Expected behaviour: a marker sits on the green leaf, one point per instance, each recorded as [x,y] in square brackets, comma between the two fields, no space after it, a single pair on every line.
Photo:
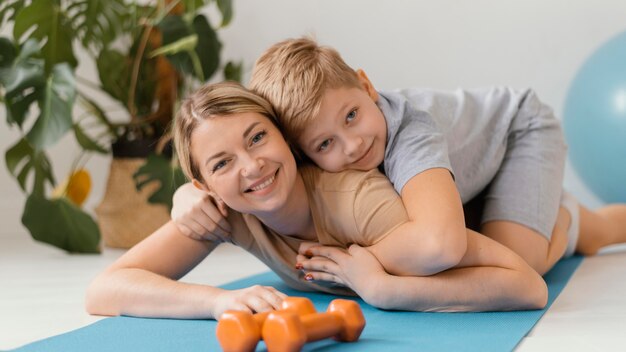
[56,108]
[16,154]
[86,142]
[192,6]
[160,169]
[23,81]
[25,72]
[209,46]
[207,50]
[174,28]
[233,71]
[98,22]
[114,70]
[187,43]
[7,52]
[9,9]
[51,26]
[60,223]
[22,159]
[95,110]
[226,8]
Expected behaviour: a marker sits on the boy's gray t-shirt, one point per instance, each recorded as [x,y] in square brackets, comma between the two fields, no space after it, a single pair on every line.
[464,131]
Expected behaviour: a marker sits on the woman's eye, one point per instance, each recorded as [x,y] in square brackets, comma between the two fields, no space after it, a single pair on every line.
[324,145]
[219,165]
[258,137]
[351,116]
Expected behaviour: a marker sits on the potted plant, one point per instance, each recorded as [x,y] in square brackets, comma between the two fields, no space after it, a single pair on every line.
[147,54]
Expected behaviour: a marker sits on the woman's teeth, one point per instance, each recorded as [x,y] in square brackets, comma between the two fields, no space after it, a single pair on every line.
[264,184]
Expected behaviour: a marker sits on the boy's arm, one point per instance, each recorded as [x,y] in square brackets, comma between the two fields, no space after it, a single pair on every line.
[143,283]
[199,215]
[489,277]
[434,238]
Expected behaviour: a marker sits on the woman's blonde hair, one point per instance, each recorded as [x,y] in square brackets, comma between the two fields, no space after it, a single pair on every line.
[293,76]
[211,100]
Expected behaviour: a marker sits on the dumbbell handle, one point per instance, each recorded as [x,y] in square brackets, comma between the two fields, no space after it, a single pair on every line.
[320,326]
[259,318]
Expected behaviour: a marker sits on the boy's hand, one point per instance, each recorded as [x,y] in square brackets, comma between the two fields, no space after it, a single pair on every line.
[252,299]
[199,215]
[355,268]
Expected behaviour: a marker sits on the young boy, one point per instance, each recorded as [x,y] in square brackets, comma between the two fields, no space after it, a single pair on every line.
[439,149]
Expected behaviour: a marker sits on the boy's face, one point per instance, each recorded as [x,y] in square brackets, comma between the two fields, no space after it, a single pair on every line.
[350,131]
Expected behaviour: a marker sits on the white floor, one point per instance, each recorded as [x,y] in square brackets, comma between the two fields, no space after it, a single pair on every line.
[41,295]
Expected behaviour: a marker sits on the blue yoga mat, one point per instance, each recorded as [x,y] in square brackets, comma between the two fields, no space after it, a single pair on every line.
[394,331]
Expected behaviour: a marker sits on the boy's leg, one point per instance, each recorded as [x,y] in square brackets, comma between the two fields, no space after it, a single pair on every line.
[601,228]
[532,246]
[522,202]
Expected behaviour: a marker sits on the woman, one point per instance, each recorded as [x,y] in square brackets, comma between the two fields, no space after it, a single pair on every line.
[230,147]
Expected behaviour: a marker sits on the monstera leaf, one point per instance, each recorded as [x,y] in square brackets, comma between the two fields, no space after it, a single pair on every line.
[22,159]
[60,223]
[55,105]
[22,76]
[98,22]
[25,83]
[203,59]
[160,169]
[50,25]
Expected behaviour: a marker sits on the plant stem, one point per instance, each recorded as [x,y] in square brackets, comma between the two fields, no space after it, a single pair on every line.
[135,73]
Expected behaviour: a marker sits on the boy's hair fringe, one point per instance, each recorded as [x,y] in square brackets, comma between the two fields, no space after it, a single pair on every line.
[293,76]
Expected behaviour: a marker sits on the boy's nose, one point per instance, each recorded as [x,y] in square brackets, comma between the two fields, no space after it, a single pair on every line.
[352,145]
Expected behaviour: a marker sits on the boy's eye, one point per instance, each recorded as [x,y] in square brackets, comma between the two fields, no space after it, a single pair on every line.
[324,145]
[219,165]
[351,116]
[258,137]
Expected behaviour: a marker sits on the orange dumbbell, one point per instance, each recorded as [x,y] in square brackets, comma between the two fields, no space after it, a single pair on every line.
[285,331]
[239,331]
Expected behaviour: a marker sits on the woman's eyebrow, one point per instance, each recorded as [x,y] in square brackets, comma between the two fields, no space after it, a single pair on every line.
[247,131]
[217,155]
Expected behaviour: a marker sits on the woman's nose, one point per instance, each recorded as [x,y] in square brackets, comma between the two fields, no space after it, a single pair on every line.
[252,167]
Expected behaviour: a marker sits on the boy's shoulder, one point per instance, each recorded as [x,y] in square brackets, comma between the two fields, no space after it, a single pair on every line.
[317,179]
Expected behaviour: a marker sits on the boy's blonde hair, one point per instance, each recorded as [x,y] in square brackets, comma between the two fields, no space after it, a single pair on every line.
[293,76]
[211,100]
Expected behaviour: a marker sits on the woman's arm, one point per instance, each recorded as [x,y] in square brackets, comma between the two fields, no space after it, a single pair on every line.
[143,283]
[489,277]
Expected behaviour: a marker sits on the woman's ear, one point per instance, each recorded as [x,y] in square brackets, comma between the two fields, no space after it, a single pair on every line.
[200,186]
[367,85]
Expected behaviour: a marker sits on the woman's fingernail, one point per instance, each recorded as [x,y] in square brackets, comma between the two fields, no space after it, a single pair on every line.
[299,266]
[308,277]
[308,253]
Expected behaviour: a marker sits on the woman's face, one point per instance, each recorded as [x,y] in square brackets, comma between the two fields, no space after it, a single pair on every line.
[245,161]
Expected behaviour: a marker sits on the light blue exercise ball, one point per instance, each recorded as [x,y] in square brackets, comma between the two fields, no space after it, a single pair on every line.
[595,121]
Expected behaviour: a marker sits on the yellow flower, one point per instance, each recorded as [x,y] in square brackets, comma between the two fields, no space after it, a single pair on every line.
[76,187]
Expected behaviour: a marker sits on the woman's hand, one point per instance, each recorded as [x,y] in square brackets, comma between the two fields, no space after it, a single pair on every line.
[356,268]
[199,215]
[252,299]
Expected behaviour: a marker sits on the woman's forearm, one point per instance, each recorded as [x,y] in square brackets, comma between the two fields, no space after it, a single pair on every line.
[461,290]
[489,277]
[137,292]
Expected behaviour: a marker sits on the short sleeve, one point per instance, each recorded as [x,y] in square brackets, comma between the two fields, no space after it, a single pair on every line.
[415,142]
[378,209]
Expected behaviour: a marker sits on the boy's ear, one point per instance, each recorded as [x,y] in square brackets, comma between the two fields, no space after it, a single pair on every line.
[199,185]
[367,85]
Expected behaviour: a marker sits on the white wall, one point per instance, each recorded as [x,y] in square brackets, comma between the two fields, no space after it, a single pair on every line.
[401,43]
